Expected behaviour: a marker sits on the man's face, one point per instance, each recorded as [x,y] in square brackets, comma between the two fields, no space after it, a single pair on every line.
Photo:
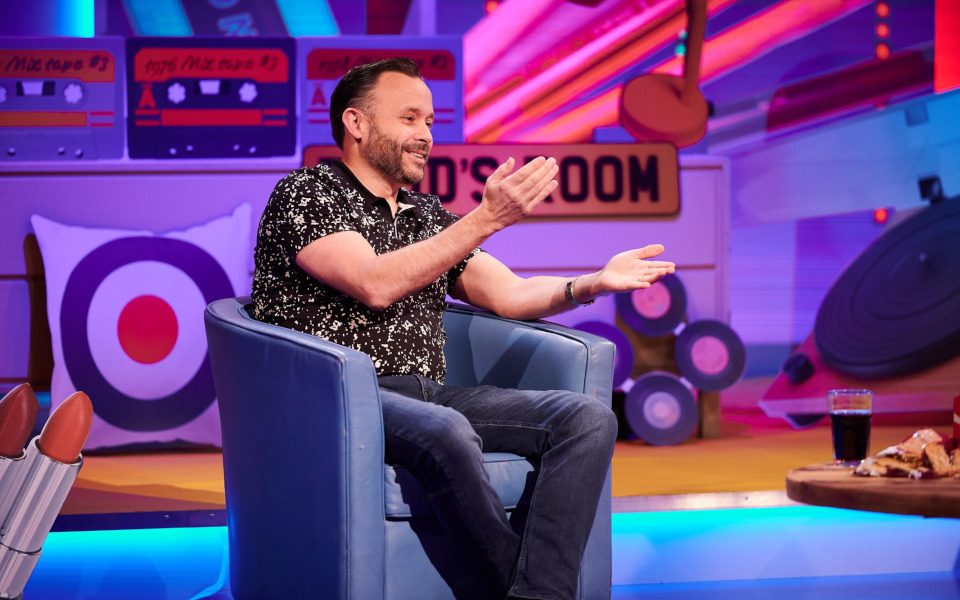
[399,109]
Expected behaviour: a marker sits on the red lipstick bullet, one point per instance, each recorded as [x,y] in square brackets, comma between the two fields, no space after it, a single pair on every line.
[52,463]
[65,433]
[18,413]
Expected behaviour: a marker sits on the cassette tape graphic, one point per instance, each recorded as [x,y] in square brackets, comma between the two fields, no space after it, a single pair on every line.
[210,98]
[61,98]
[323,61]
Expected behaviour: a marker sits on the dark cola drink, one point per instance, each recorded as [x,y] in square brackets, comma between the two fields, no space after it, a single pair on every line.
[851,435]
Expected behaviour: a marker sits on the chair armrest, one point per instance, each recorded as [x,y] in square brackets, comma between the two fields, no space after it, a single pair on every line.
[302,448]
[484,349]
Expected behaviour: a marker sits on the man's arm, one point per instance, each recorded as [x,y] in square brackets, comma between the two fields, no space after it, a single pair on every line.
[347,262]
[489,284]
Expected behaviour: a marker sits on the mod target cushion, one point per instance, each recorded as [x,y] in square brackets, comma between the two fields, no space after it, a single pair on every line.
[126,323]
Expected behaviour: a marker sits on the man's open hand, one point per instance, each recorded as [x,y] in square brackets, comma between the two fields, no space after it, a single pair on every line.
[509,195]
[633,270]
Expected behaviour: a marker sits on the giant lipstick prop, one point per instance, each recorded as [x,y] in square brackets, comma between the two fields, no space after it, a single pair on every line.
[18,413]
[51,465]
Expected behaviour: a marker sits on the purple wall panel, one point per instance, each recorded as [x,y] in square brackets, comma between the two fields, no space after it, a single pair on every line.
[170,195]
[14,328]
[156,201]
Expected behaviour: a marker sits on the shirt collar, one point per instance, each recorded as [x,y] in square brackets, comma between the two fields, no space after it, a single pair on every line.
[370,200]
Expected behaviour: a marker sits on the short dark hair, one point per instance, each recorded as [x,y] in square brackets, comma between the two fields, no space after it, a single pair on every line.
[354,87]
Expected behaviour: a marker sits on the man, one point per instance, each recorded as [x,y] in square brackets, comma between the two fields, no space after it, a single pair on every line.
[345,252]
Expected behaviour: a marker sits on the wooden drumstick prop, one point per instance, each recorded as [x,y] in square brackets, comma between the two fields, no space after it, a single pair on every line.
[667,108]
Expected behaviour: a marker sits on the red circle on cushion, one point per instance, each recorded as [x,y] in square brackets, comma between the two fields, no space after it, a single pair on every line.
[710,355]
[147,329]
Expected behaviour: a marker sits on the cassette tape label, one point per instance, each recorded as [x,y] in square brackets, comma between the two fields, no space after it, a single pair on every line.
[159,64]
[89,65]
[326,63]
[323,61]
[210,98]
[60,97]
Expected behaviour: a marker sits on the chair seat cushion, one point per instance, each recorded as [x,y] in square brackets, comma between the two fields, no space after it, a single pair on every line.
[404,497]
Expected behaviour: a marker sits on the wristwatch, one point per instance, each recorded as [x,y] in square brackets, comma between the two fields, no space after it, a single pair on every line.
[571,299]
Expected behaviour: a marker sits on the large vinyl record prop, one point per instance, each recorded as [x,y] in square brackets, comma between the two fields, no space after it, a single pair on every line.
[656,310]
[896,308]
[623,359]
[661,409]
[126,324]
[710,355]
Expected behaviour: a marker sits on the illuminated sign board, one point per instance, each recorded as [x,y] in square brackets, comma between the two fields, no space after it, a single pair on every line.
[596,180]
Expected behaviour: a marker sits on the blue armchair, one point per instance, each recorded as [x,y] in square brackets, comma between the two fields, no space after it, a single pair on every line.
[313,512]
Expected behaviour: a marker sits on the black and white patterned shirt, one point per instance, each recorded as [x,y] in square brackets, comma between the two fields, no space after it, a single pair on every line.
[407,337]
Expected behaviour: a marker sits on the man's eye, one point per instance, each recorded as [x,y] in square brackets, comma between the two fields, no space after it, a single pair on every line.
[430,124]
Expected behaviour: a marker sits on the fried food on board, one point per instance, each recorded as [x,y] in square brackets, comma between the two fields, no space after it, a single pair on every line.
[924,455]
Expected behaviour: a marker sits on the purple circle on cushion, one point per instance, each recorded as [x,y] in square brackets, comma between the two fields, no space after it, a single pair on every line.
[109,403]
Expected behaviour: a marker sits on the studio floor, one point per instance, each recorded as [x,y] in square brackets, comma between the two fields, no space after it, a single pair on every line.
[753,453]
[680,530]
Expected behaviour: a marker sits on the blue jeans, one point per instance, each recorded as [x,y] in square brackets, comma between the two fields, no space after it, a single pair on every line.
[438,432]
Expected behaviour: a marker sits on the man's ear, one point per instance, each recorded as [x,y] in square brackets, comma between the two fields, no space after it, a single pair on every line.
[354,124]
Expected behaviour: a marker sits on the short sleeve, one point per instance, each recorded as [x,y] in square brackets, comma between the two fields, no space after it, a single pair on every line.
[306,207]
[445,219]
[454,274]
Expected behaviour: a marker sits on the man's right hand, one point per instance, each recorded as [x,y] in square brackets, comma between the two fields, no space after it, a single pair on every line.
[509,196]
[347,262]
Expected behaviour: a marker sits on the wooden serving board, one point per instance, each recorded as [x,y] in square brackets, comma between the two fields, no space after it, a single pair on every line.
[827,485]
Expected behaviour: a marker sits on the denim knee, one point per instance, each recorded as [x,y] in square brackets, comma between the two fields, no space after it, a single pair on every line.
[450,441]
[591,417]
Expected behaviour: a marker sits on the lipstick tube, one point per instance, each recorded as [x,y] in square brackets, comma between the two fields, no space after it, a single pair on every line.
[52,463]
[18,413]
[13,472]
[41,497]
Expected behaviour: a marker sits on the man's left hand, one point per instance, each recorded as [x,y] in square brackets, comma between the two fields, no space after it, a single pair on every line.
[628,271]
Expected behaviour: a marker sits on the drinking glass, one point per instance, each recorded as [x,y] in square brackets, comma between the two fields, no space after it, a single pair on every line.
[850,412]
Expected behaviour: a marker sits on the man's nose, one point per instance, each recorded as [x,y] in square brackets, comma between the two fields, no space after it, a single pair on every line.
[424,134]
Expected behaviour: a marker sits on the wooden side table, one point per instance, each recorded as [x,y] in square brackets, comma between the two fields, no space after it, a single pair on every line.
[828,485]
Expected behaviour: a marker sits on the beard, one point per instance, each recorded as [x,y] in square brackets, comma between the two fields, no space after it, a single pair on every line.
[386,156]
